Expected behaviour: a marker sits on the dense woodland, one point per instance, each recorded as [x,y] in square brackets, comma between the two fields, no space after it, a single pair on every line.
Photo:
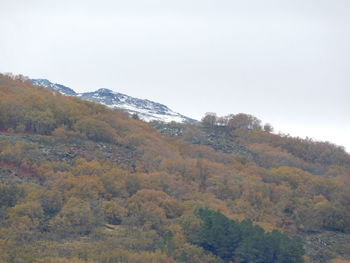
[83,183]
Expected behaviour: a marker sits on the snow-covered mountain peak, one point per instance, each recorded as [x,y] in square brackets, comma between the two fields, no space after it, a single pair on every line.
[104,91]
[145,109]
[57,87]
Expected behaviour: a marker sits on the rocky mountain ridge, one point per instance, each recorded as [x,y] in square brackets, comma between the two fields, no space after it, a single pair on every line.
[145,109]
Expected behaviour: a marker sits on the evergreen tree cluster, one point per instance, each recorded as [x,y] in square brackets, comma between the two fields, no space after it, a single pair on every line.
[243,242]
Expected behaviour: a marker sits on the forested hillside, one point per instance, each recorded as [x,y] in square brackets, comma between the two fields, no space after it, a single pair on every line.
[83,183]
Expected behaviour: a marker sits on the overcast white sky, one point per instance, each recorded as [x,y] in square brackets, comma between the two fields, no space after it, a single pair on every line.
[285,61]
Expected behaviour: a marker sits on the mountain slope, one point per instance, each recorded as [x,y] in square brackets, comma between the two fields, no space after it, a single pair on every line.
[145,109]
[80,182]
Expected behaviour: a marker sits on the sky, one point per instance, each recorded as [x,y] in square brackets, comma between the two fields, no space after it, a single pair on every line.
[286,62]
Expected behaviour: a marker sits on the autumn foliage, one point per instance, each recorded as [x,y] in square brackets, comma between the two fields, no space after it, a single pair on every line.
[83,183]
